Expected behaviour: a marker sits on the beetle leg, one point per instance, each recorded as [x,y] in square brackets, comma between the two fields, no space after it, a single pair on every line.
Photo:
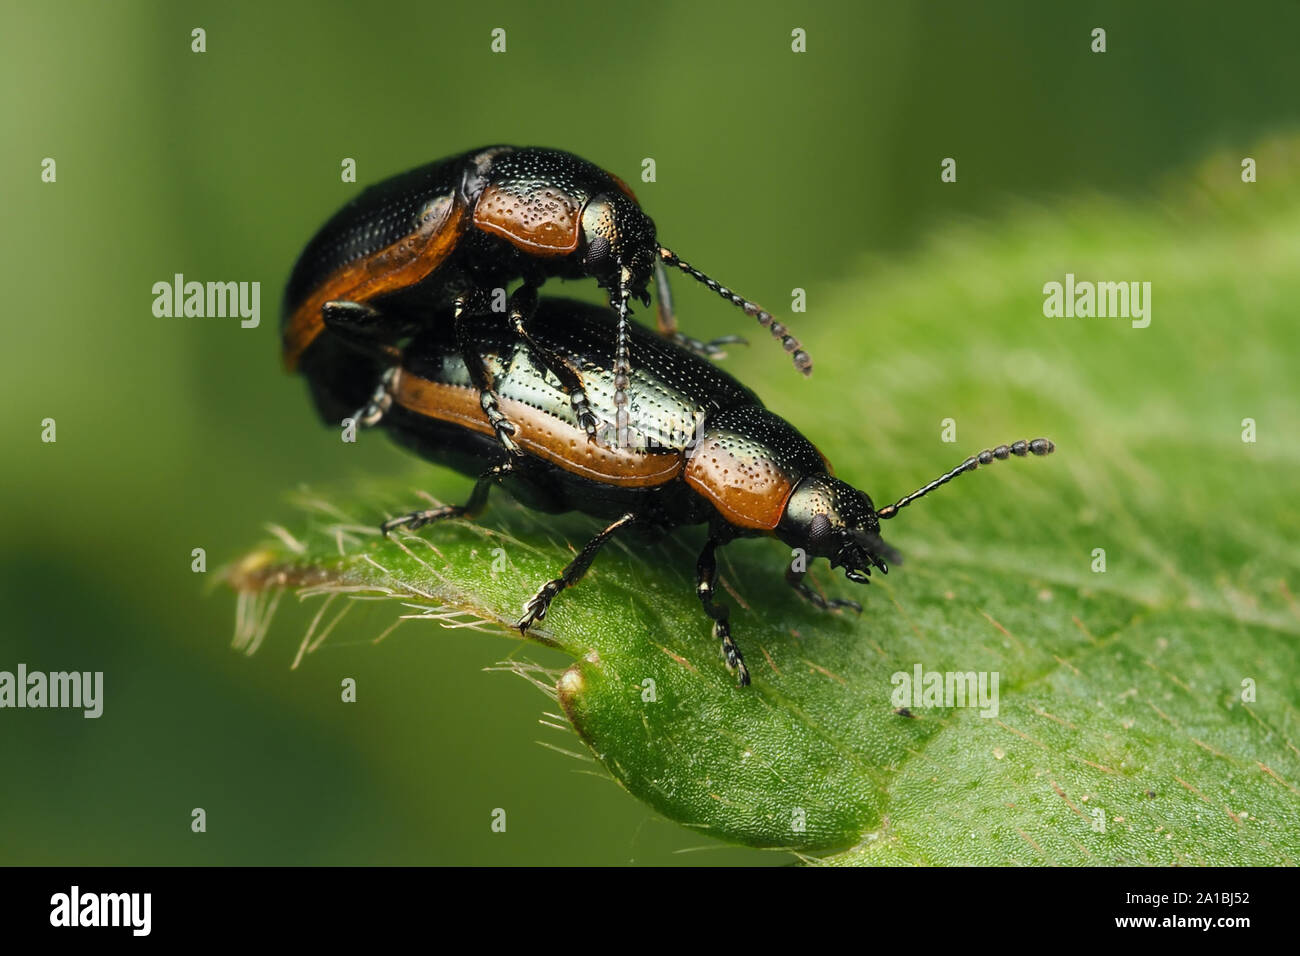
[523,303]
[712,349]
[535,607]
[361,326]
[796,580]
[706,577]
[477,499]
[481,378]
[664,302]
[370,415]
[350,320]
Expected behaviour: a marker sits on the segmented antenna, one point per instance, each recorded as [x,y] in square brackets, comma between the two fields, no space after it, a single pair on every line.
[802,361]
[622,358]
[1039,446]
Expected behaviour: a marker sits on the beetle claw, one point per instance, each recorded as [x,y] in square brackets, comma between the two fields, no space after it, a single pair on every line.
[735,661]
[509,444]
[712,349]
[418,519]
[535,608]
[504,430]
[588,421]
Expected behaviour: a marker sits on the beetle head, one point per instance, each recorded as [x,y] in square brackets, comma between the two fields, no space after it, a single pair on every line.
[617,235]
[828,518]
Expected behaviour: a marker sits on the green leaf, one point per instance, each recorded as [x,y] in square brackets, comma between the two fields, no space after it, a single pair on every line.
[1146,715]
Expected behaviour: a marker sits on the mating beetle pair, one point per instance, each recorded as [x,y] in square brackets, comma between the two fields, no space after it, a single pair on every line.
[447,238]
[396,289]
[702,449]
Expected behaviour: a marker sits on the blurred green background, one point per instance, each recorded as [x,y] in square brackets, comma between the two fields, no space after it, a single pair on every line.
[775,170]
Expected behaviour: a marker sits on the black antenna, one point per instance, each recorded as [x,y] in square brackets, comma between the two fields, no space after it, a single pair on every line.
[788,342]
[1039,446]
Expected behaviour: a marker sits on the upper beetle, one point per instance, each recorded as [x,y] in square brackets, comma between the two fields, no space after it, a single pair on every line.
[702,450]
[454,233]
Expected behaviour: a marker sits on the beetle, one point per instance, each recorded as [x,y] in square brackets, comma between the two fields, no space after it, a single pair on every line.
[703,450]
[454,233]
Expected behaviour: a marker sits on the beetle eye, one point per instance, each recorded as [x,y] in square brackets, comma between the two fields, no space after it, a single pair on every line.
[818,529]
[598,254]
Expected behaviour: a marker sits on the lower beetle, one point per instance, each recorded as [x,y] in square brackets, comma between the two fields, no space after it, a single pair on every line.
[703,450]
[446,235]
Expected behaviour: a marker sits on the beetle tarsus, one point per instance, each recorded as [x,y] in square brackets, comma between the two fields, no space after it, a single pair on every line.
[706,579]
[502,427]
[535,607]
[588,420]
[731,653]
[477,500]
[418,519]
[712,349]
[373,412]
[796,580]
